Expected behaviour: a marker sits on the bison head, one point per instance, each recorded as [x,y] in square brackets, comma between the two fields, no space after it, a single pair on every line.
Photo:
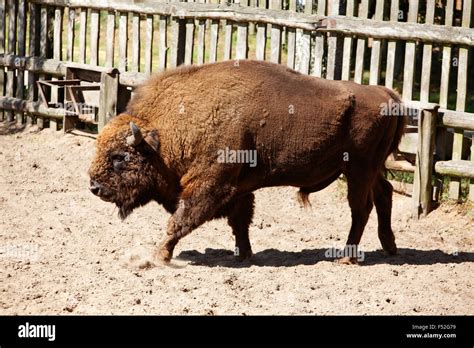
[124,169]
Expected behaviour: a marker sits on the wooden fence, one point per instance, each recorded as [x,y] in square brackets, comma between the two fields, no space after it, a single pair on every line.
[367,41]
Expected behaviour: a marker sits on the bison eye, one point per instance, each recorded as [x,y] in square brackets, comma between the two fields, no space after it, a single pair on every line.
[119,160]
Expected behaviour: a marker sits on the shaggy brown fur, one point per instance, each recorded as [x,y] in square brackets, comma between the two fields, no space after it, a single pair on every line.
[306,132]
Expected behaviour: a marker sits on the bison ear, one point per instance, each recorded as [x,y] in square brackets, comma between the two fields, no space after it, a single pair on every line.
[153,140]
[136,138]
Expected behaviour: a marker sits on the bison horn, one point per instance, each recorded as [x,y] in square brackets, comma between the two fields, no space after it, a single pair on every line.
[136,138]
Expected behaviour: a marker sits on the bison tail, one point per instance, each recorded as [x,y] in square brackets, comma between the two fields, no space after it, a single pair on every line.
[303,199]
[401,124]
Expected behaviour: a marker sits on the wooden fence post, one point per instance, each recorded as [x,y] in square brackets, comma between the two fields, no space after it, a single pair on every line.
[20,82]
[135,42]
[361,42]
[410,47]
[242,43]
[422,181]
[189,50]
[262,34]
[391,47]
[149,45]
[441,136]
[123,40]
[214,41]
[162,63]
[375,54]
[275,43]
[455,184]
[2,50]
[347,51]
[178,42]
[319,43]
[108,97]
[10,92]
[34,50]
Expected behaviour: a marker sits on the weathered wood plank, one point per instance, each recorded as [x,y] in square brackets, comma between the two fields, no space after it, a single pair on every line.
[123,39]
[71,19]
[319,43]
[214,41]
[456,168]
[427,53]
[2,50]
[163,43]
[10,92]
[359,62]
[135,42]
[275,36]
[21,49]
[110,42]
[44,43]
[391,47]
[455,184]
[94,45]
[375,55]
[242,43]
[347,50]
[57,55]
[149,44]
[424,163]
[82,35]
[34,40]
[228,41]
[410,47]
[108,98]
[402,166]
[178,42]
[201,44]
[446,63]
[457,119]
[44,66]
[346,26]
[261,45]
[189,50]
[332,44]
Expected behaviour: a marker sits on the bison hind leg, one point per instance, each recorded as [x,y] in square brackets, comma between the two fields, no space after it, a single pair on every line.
[239,214]
[382,193]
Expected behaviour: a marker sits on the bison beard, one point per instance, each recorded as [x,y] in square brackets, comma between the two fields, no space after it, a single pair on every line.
[305,132]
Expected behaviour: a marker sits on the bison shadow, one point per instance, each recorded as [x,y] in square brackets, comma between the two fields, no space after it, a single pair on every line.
[278,258]
[7,128]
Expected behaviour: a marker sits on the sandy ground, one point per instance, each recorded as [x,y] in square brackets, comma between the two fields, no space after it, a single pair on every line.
[63,251]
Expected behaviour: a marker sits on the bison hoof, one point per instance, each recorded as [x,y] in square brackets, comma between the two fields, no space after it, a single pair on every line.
[390,248]
[346,260]
[163,255]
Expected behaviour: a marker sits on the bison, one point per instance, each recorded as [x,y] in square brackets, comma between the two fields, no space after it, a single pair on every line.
[187,138]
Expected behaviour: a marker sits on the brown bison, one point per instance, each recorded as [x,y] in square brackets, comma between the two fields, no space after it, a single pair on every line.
[199,140]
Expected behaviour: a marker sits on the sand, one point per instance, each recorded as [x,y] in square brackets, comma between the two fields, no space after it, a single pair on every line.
[64,251]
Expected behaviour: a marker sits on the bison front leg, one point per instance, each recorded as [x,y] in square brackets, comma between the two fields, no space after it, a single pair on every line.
[239,218]
[197,205]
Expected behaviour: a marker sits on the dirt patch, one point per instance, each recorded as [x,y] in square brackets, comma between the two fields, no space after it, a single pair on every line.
[65,251]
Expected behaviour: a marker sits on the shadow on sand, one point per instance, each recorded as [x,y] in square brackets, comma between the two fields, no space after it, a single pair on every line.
[277,258]
[7,128]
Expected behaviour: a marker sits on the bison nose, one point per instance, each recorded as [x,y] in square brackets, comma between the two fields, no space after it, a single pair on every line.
[94,187]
